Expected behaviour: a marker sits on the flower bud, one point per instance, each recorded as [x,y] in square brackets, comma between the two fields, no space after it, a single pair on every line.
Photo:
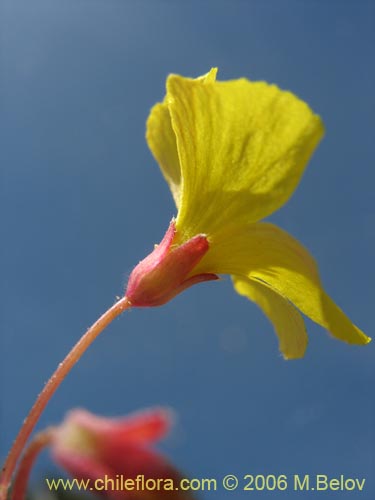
[116,455]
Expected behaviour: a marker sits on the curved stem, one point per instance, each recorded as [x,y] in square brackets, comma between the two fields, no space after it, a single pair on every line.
[38,443]
[53,383]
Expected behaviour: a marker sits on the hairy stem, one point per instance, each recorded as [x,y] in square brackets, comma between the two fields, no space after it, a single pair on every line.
[53,383]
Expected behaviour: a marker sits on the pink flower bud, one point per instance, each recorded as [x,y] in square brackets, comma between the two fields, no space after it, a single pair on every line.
[167,271]
[117,455]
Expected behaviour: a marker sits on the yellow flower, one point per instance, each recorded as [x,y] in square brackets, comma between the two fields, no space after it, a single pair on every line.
[232,153]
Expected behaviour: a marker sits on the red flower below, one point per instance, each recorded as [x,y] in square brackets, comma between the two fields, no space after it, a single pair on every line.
[111,451]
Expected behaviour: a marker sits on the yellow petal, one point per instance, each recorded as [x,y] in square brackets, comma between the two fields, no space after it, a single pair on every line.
[242,149]
[162,142]
[288,323]
[266,254]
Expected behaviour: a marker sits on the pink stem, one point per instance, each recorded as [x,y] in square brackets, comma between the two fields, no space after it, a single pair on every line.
[40,441]
[53,383]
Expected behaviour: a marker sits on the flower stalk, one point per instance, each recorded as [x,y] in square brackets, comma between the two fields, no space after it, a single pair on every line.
[49,389]
[38,443]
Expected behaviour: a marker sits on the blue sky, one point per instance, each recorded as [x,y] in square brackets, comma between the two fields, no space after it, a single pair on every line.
[82,201]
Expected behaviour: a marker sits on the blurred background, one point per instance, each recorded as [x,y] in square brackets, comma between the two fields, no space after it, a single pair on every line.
[82,201]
